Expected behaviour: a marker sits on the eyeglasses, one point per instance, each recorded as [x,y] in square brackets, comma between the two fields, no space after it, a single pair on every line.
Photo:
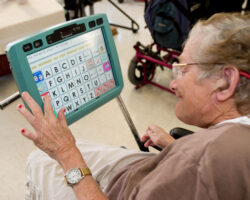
[177,69]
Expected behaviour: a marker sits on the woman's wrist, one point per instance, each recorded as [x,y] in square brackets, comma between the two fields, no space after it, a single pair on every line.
[71,158]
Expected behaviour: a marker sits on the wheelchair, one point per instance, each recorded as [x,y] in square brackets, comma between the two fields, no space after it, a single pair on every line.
[143,65]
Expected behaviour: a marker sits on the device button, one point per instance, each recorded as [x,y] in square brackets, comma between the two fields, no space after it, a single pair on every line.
[83,27]
[49,39]
[99,21]
[27,47]
[91,24]
[38,43]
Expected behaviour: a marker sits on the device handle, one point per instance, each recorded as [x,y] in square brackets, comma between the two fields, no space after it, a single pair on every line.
[9,100]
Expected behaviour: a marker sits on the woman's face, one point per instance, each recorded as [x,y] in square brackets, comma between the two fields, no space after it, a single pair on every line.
[195,103]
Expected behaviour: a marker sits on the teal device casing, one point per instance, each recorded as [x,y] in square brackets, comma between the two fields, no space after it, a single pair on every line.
[22,72]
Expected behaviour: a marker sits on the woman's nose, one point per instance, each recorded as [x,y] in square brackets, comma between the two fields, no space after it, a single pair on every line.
[173,84]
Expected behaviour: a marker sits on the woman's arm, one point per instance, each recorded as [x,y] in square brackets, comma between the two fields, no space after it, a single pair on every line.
[53,136]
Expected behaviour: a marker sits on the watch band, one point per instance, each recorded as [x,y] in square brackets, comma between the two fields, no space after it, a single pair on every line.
[85,171]
[82,172]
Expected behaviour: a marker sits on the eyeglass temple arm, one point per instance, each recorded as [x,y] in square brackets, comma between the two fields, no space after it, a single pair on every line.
[245,74]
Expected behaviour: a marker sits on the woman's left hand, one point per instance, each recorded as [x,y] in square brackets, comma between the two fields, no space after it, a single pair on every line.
[156,136]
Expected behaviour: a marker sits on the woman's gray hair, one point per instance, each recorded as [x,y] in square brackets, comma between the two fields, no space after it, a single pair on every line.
[225,38]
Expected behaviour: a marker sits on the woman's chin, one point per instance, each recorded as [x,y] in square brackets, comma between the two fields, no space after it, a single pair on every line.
[183,115]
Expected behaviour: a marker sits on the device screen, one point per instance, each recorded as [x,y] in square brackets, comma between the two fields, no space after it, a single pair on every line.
[73,72]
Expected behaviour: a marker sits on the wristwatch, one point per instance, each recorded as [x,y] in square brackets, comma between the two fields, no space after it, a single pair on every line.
[73,176]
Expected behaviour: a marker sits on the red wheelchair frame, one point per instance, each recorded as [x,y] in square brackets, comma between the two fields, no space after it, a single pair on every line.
[146,60]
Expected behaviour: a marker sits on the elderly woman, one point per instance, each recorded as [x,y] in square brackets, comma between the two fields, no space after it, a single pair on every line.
[212,84]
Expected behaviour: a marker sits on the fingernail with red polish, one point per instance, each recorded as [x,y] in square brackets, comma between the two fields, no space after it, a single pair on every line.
[20,106]
[22,130]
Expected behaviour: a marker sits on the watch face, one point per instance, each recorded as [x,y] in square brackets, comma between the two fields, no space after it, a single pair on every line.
[74,176]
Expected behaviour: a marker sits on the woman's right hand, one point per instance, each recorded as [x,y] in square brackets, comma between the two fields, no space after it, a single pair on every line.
[50,134]
[156,136]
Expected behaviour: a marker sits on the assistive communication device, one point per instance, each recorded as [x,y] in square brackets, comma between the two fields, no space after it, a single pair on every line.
[75,62]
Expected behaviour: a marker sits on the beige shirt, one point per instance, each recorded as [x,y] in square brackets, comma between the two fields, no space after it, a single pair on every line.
[210,164]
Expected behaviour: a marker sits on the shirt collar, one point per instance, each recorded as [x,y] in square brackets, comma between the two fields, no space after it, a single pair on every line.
[241,120]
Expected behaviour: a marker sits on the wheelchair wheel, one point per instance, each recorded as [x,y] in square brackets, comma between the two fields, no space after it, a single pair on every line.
[135,71]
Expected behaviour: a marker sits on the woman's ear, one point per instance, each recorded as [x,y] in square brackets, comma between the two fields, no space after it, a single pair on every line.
[227,83]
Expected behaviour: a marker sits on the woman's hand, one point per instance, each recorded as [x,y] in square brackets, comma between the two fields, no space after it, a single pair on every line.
[53,136]
[50,134]
[156,136]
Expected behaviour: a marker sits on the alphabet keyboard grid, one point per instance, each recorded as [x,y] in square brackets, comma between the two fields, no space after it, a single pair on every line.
[76,80]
